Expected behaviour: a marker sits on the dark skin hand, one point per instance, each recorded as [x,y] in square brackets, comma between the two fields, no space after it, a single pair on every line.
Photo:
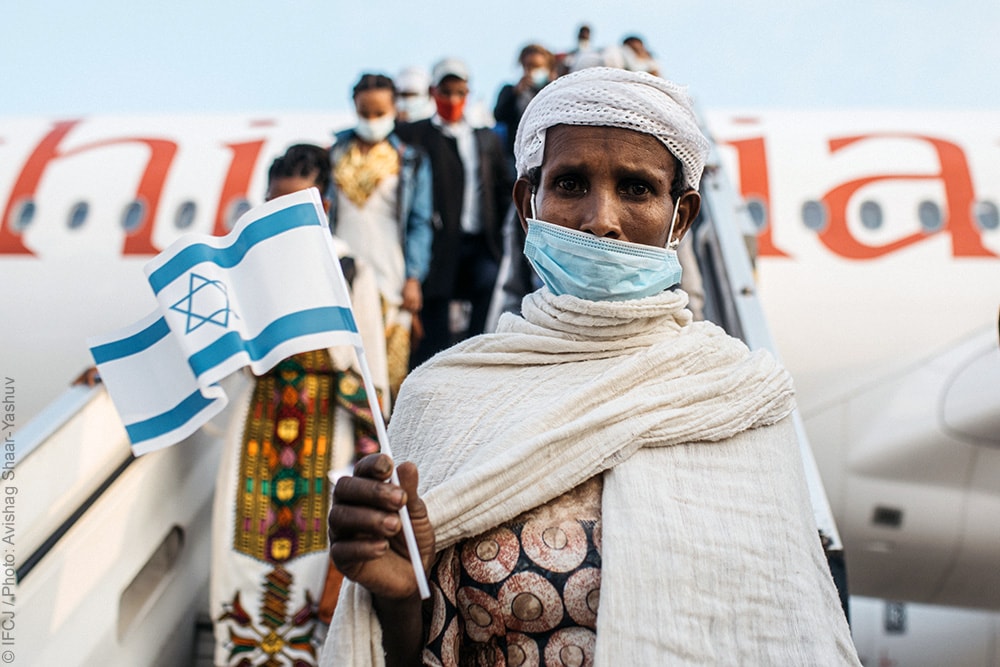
[367,545]
[89,377]
[413,299]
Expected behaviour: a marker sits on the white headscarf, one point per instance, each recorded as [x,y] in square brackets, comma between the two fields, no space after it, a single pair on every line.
[609,97]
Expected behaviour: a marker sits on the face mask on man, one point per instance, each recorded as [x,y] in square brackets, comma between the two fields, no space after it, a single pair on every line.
[450,112]
[539,77]
[374,130]
[599,269]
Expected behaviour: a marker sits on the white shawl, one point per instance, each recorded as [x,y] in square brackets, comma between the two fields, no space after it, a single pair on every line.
[710,554]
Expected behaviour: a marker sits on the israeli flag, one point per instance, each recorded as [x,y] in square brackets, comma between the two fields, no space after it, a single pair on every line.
[269,289]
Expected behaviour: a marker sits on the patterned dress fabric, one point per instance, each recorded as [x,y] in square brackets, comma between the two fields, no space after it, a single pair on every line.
[524,594]
[300,415]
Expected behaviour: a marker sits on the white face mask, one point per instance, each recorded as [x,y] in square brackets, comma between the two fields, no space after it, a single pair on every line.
[374,130]
[416,107]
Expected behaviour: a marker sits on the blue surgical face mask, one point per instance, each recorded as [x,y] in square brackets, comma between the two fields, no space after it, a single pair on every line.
[599,269]
[539,77]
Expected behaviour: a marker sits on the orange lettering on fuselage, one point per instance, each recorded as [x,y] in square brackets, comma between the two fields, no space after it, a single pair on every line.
[237,179]
[966,240]
[149,190]
[751,156]
[27,183]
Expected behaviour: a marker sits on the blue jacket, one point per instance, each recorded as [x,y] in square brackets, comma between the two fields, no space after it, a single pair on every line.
[414,202]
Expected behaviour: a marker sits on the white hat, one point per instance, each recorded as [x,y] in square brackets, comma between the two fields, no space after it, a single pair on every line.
[610,97]
[413,80]
[449,67]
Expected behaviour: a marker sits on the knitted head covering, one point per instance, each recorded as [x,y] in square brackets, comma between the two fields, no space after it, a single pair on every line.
[610,97]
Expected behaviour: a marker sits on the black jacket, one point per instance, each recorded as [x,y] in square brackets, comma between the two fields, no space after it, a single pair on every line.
[509,108]
[449,183]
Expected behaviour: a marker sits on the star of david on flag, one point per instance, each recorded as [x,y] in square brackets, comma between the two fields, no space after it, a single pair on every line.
[193,310]
[269,289]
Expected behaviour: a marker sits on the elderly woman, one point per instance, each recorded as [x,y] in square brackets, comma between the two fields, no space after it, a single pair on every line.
[602,481]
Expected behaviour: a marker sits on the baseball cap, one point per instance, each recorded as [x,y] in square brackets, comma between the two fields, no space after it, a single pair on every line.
[413,80]
[449,67]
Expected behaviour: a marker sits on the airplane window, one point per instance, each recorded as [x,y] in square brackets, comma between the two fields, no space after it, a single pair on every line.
[236,208]
[134,216]
[814,215]
[24,215]
[758,213]
[895,618]
[987,215]
[871,215]
[78,215]
[185,215]
[929,214]
[887,516]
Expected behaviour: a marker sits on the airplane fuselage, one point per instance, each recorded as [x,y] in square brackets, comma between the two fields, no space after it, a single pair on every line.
[877,239]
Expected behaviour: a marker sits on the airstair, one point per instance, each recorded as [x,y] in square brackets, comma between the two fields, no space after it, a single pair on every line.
[112,552]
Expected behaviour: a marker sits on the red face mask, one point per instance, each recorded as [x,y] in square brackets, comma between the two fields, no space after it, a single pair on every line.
[450,112]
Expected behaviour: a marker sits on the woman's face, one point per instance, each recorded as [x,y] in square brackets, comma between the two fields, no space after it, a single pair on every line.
[375,103]
[533,61]
[610,182]
[286,185]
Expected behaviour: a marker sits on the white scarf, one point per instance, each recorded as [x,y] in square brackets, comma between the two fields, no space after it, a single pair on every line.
[702,542]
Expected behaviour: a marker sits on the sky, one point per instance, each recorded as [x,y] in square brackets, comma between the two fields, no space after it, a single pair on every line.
[65,58]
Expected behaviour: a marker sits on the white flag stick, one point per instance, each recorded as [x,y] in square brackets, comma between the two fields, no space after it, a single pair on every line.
[383,439]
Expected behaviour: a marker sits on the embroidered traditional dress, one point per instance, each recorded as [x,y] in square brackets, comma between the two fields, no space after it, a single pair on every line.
[300,419]
[307,417]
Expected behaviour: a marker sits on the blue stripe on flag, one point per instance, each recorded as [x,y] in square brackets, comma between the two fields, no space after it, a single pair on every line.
[300,215]
[169,420]
[133,344]
[302,323]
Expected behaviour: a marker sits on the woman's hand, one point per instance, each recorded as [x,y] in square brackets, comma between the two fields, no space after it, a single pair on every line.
[366,537]
[413,296]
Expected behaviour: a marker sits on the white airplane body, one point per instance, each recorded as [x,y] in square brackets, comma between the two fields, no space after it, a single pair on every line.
[886,314]
[878,267]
